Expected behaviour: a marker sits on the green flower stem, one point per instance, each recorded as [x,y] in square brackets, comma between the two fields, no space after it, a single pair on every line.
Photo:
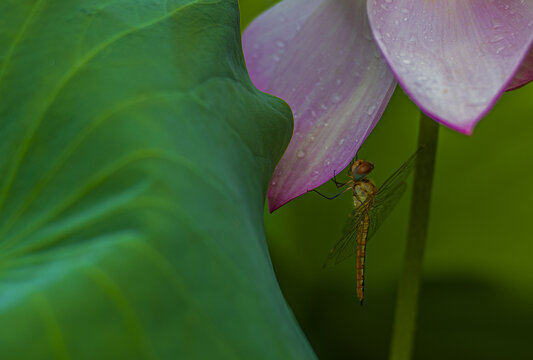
[409,285]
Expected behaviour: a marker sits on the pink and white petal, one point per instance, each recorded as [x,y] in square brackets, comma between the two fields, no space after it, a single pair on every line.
[453,58]
[265,40]
[524,74]
[332,75]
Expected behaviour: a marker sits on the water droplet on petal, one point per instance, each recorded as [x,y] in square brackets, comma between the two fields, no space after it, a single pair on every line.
[300,154]
[335,98]
[371,110]
[280,44]
[497,38]
[276,57]
[341,141]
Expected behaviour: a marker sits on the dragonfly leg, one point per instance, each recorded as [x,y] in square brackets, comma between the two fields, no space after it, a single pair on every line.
[338,184]
[333,197]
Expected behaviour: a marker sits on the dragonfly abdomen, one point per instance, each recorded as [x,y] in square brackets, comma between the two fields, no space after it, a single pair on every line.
[360,258]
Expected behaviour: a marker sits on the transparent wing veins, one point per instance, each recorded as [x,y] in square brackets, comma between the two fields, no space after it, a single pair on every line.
[347,245]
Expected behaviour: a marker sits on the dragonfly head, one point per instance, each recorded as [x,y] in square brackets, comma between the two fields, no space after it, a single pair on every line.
[360,169]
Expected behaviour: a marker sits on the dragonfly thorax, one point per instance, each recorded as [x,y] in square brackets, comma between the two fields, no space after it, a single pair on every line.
[363,190]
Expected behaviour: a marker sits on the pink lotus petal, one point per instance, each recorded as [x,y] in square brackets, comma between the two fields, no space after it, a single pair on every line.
[454,58]
[266,39]
[331,73]
[524,74]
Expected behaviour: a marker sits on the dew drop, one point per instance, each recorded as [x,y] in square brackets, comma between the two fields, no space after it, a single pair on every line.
[406,61]
[371,110]
[276,57]
[497,38]
[280,44]
[341,141]
[274,183]
[300,154]
[327,162]
[335,98]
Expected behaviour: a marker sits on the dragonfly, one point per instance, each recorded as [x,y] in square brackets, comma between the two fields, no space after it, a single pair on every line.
[371,207]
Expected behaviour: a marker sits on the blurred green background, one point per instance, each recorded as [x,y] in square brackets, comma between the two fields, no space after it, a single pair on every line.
[477,292]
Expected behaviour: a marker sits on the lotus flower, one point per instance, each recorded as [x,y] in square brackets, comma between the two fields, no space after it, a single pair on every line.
[337,62]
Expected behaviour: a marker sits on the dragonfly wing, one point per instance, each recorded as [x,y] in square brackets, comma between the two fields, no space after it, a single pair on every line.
[389,194]
[383,207]
[347,245]
[398,177]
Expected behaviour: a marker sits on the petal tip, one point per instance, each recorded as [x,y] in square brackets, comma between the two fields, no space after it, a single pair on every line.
[275,202]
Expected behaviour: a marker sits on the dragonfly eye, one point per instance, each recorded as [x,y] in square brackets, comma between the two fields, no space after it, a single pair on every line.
[361,170]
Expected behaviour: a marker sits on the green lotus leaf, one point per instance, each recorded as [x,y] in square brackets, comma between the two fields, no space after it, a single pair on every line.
[135,159]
